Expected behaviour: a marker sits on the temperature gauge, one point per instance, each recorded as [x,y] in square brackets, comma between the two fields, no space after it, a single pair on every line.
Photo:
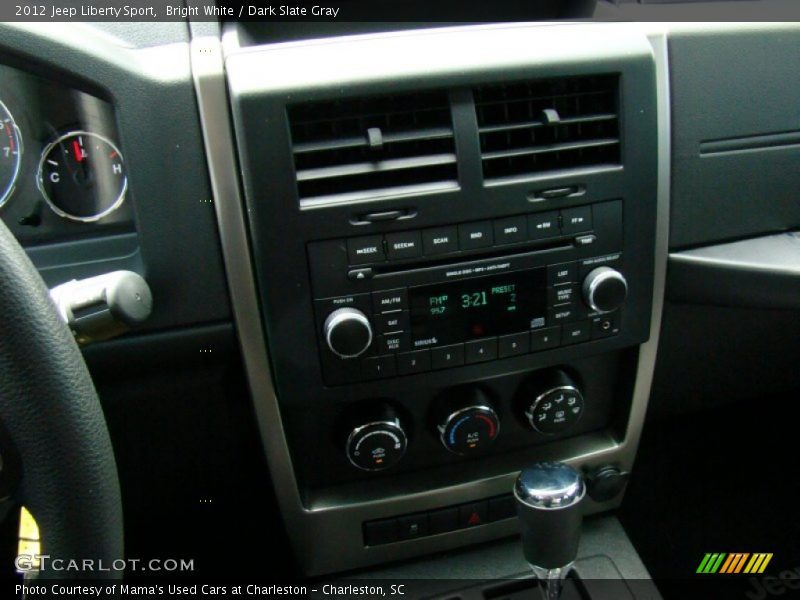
[82,176]
[10,153]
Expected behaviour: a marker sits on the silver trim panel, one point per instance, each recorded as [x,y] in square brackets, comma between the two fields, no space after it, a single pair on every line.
[496,48]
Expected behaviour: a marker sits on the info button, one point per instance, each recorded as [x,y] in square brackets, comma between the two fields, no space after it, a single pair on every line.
[510,230]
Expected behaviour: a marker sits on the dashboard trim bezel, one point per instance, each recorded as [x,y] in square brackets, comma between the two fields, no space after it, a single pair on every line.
[346,549]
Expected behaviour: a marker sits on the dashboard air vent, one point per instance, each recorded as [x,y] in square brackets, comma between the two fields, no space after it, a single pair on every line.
[548,125]
[371,147]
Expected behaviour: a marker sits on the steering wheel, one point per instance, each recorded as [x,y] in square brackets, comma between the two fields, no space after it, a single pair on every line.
[53,420]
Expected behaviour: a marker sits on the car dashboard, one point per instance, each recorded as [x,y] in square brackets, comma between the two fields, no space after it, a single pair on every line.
[390,269]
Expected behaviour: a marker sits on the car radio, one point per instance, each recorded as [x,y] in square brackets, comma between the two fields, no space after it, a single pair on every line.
[416,301]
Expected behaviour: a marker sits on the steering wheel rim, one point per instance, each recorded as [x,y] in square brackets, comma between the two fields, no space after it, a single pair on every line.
[53,418]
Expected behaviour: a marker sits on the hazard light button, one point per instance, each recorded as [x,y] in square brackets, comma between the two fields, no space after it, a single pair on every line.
[473,514]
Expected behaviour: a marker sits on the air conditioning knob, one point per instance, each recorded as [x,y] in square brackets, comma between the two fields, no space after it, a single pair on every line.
[468,423]
[347,332]
[604,289]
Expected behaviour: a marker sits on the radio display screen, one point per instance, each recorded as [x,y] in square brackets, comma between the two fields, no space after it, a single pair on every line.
[448,313]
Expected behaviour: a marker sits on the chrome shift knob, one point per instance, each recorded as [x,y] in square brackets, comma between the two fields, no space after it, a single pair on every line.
[548,497]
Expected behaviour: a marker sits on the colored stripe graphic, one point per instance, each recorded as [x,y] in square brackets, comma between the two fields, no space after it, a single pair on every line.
[758,563]
[730,565]
[740,563]
[755,562]
[735,562]
[703,563]
[727,564]
[711,562]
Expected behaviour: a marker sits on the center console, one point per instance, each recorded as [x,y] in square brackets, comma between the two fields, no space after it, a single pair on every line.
[453,236]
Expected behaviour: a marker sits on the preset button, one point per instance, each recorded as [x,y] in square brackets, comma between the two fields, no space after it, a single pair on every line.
[417,361]
[443,357]
[480,350]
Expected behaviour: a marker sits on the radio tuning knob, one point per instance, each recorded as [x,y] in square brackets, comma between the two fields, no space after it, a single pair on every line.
[604,289]
[347,332]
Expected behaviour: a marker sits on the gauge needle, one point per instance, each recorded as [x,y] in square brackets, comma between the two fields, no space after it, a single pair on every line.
[78,151]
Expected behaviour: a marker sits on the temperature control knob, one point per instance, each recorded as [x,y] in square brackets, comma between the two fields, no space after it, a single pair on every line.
[469,426]
[377,445]
[552,404]
[604,289]
[347,332]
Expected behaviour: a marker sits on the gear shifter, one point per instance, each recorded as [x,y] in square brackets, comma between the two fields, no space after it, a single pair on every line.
[548,497]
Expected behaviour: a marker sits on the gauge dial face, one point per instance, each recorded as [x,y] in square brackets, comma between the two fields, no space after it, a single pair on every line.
[10,153]
[82,176]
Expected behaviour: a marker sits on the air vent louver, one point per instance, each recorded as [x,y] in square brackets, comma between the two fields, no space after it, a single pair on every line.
[548,125]
[372,147]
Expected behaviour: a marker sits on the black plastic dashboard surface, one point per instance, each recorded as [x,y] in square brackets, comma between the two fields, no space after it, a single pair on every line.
[150,105]
[736,135]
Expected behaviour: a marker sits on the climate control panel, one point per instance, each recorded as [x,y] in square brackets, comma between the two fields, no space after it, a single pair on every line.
[466,419]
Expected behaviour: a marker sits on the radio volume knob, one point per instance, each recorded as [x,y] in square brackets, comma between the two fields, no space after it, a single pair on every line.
[604,289]
[347,332]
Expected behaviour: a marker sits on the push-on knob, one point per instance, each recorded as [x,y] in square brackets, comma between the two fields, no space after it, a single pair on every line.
[347,332]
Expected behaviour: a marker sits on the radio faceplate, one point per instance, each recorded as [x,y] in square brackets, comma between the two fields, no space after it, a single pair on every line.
[396,315]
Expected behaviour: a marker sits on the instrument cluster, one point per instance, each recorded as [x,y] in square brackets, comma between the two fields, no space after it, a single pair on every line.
[62,172]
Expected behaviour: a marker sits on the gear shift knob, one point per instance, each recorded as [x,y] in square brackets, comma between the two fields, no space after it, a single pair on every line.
[548,497]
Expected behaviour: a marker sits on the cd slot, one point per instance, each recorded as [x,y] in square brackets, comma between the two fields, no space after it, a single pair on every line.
[489,254]
[475,266]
